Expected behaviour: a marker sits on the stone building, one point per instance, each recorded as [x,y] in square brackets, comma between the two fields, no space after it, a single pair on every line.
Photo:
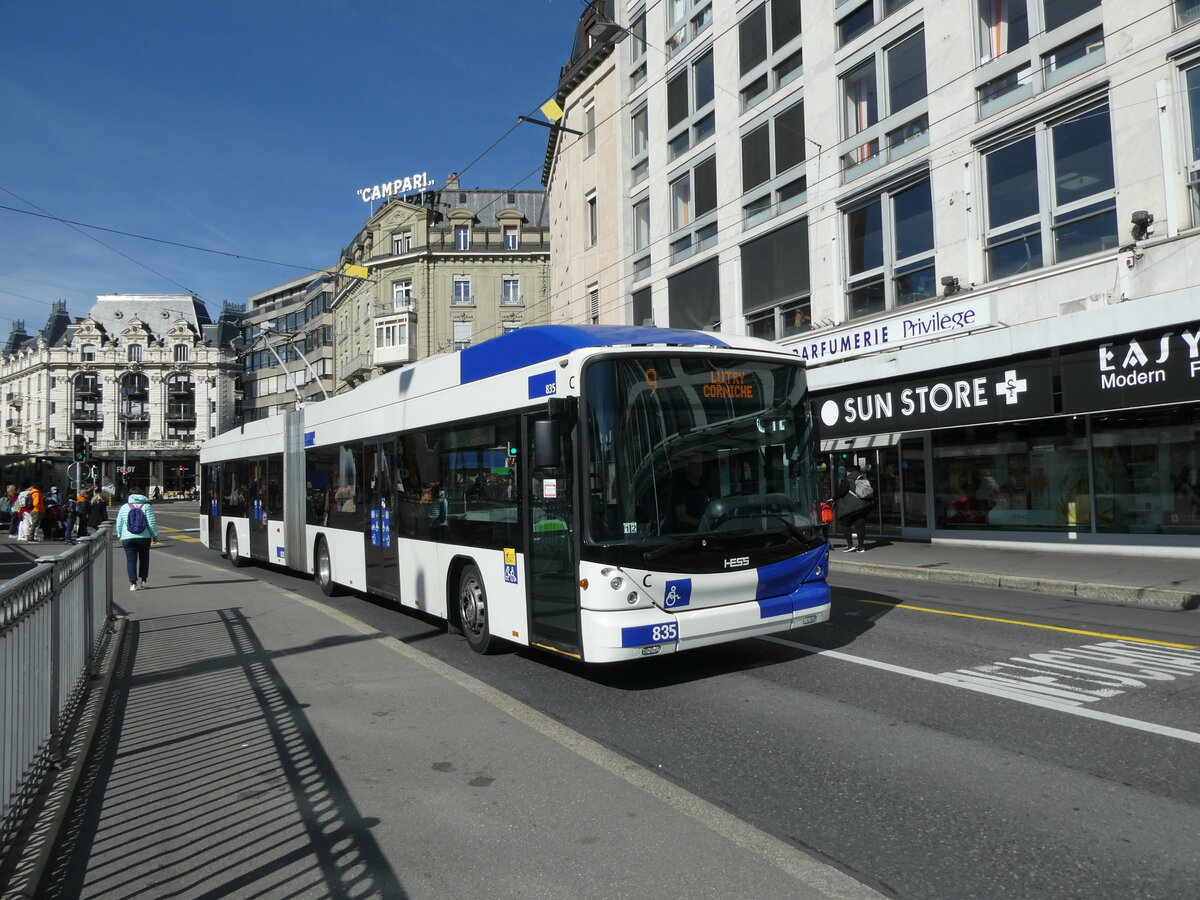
[142,377]
[444,269]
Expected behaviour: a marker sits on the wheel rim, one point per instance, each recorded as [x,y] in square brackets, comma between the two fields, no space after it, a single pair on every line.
[472,607]
[233,545]
[324,572]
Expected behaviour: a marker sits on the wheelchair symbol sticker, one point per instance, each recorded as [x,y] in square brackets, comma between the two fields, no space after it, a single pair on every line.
[679,593]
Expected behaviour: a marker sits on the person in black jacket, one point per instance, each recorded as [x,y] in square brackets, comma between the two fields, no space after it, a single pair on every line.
[852,508]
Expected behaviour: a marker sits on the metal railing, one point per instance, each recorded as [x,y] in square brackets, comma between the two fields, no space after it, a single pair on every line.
[53,622]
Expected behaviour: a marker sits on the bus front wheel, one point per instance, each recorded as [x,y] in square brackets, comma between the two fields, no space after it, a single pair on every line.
[472,611]
[323,569]
[232,550]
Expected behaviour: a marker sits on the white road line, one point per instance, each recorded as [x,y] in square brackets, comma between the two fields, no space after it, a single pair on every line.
[1083,712]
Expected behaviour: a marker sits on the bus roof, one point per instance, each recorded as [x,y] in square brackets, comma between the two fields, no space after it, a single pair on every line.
[538,343]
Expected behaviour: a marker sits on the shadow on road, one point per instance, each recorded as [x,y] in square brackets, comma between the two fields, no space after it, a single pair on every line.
[207,780]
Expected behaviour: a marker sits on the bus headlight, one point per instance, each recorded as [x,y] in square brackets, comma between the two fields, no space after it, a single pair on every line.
[632,598]
[617,583]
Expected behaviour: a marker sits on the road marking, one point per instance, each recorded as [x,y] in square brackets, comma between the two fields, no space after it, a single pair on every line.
[981,688]
[961,615]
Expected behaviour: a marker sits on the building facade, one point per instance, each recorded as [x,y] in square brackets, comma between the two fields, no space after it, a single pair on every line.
[583,176]
[287,347]
[976,220]
[443,270]
[143,378]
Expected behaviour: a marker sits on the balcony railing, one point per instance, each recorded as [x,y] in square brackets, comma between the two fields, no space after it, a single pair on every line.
[86,415]
[15,399]
[181,413]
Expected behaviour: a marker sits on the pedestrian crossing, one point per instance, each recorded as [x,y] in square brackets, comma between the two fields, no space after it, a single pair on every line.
[177,534]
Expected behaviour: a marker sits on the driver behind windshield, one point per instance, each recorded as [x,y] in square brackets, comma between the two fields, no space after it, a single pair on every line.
[690,495]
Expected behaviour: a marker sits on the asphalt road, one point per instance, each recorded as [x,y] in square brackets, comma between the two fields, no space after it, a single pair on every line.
[919,747]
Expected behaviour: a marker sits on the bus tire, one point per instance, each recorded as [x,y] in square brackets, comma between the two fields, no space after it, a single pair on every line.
[323,569]
[472,610]
[233,549]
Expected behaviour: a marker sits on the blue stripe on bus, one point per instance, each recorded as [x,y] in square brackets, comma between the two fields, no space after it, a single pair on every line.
[807,596]
[781,578]
[528,346]
[644,635]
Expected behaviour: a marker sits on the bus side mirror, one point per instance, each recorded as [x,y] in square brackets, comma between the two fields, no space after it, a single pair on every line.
[545,443]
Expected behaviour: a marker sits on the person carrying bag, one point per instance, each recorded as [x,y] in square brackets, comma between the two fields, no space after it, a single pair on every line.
[136,530]
[854,499]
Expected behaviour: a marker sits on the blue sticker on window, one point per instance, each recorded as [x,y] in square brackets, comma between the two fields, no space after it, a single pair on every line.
[679,593]
[310,439]
[280,554]
[543,385]
[642,635]
[510,574]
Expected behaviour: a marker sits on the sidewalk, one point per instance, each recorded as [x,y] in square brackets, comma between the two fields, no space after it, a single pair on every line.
[258,743]
[1156,582]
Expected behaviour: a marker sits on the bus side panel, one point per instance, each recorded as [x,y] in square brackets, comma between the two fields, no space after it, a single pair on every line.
[276,543]
[347,556]
[508,614]
[422,576]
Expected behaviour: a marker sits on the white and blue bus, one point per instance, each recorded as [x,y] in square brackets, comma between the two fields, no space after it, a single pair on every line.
[602,492]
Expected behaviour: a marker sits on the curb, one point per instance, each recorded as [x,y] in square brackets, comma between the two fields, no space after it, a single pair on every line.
[44,828]
[1116,594]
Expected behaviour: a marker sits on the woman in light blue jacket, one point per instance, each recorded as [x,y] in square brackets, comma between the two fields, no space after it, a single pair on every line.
[136,531]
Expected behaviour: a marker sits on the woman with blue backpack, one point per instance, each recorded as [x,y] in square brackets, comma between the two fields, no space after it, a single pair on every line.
[136,530]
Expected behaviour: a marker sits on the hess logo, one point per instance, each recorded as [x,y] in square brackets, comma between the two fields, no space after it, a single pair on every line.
[736,562]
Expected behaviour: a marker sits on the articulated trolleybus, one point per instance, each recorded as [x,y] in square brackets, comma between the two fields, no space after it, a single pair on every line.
[602,492]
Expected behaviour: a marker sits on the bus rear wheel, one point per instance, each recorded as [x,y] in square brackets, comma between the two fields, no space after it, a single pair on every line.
[323,569]
[472,611]
[232,549]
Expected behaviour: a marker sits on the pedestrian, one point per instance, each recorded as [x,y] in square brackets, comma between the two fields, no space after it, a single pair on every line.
[77,511]
[97,513]
[15,508]
[136,530]
[53,496]
[37,510]
[854,499]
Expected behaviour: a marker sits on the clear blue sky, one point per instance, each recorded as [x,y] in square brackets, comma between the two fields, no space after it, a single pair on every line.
[246,127]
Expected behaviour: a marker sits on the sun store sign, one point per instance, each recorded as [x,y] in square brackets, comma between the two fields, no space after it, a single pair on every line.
[397,188]
[1014,389]
[927,324]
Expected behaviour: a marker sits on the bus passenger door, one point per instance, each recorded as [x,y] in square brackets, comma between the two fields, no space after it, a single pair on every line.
[211,498]
[550,567]
[383,569]
[256,478]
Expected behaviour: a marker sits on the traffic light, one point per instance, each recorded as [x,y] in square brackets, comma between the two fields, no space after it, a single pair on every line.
[182,469]
[80,448]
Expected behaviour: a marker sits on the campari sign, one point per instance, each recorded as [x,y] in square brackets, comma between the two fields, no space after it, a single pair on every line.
[1145,369]
[1014,389]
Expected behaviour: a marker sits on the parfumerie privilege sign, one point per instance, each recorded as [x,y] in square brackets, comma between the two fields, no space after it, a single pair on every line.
[945,320]
[1009,390]
[1145,369]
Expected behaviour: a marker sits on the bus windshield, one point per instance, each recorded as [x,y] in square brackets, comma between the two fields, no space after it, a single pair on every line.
[685,445]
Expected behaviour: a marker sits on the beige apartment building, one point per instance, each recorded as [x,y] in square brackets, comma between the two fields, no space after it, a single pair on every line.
[445,269]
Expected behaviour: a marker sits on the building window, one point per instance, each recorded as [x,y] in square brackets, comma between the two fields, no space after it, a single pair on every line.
[462,290]
[589,130]
[1186,11]
[686,20]
[594,304]
[690,115]
[775,282]
[769,53]
[402,242]
[462,335]
[1026,46]
[643,307]
[641,235]
[181,353]
[510,290]
[88,353]
[402,295]
[855,19]
[391,334]
[693,209]
[593,224]
[886,112]
[509,326]
[889,241]
[462,237]
[1191,78]
[512,239]
[133,353]
[637,51]
[640,145]
[773,172]
[1027,227]
[694,298]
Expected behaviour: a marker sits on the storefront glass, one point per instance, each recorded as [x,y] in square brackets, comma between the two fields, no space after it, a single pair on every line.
[1146,471]
[1026,477]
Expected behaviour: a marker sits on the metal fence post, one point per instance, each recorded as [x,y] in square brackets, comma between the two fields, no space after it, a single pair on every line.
[55,746]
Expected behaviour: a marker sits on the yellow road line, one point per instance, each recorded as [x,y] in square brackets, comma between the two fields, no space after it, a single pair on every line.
[1100,634]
